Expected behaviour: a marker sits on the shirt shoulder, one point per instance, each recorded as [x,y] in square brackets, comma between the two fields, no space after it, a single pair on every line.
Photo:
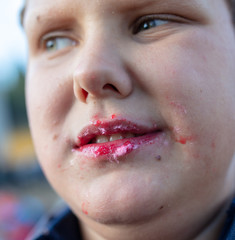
[229,228]
[60,225]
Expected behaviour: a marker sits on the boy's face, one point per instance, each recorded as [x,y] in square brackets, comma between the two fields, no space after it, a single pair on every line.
[158,72]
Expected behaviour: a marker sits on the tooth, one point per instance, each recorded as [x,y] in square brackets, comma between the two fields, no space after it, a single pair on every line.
[115,137]
[129,135]
[102,139]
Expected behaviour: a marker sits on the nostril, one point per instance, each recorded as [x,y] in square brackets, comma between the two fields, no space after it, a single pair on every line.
[110,87]
[85,93]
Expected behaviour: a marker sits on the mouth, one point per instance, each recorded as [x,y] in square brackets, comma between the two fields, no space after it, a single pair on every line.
[113,140]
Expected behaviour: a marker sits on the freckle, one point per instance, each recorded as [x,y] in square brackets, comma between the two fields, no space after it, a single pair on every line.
[38,18]
[55,137]
[158,158]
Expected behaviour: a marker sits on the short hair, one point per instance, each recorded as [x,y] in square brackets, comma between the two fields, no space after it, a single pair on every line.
[22,13]
[231,5]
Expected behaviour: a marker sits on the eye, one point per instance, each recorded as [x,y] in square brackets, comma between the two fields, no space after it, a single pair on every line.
[147,22]
[53,44]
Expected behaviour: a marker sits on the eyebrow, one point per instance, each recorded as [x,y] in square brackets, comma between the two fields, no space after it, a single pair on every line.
[22,13]
[133,5]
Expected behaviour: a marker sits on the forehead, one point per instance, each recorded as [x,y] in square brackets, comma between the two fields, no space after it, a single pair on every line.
[59,7]
[114,3]
[64,9]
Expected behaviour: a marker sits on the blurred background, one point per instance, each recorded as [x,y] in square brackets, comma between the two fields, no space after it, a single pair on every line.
[25,195]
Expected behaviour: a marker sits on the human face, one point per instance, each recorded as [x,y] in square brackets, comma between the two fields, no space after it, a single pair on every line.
[160,73]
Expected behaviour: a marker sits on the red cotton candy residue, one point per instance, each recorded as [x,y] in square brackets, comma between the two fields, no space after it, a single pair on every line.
[96,122]
[113,116]
[183,140]
[118,149]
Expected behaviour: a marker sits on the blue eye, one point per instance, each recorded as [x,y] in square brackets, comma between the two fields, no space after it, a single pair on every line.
[58,43]
[147,23]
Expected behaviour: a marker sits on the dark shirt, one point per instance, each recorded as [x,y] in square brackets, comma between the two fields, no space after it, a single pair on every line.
[64,226]
[229,229]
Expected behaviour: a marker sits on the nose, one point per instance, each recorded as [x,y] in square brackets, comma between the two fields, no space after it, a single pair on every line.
[101,72]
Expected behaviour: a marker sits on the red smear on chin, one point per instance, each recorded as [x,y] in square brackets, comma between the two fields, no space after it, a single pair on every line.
[84,210]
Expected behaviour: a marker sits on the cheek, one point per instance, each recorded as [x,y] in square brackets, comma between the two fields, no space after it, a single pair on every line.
[194,99]
[50,97]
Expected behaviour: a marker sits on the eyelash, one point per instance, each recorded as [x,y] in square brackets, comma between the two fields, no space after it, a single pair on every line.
[152,21]
[51,41]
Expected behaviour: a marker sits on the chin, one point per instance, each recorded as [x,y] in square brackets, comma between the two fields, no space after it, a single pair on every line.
[134,202]
[121,214]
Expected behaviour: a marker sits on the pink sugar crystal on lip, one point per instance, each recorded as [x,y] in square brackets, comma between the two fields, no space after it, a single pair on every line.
[123,150]
[115,151]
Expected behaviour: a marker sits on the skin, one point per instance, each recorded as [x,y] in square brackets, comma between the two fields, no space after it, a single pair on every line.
[178,75]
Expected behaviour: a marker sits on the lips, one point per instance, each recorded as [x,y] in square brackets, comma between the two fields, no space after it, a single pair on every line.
[112,140]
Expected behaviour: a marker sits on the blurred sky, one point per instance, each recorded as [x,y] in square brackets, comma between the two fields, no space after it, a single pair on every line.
[12,41]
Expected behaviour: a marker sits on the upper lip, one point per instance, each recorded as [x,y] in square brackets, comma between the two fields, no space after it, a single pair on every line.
[112,127]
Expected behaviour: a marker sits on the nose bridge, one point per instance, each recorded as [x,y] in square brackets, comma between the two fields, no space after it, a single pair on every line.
[98,52]
[100,69]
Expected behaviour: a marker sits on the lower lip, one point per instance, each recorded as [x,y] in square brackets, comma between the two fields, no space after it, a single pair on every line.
[115,150]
